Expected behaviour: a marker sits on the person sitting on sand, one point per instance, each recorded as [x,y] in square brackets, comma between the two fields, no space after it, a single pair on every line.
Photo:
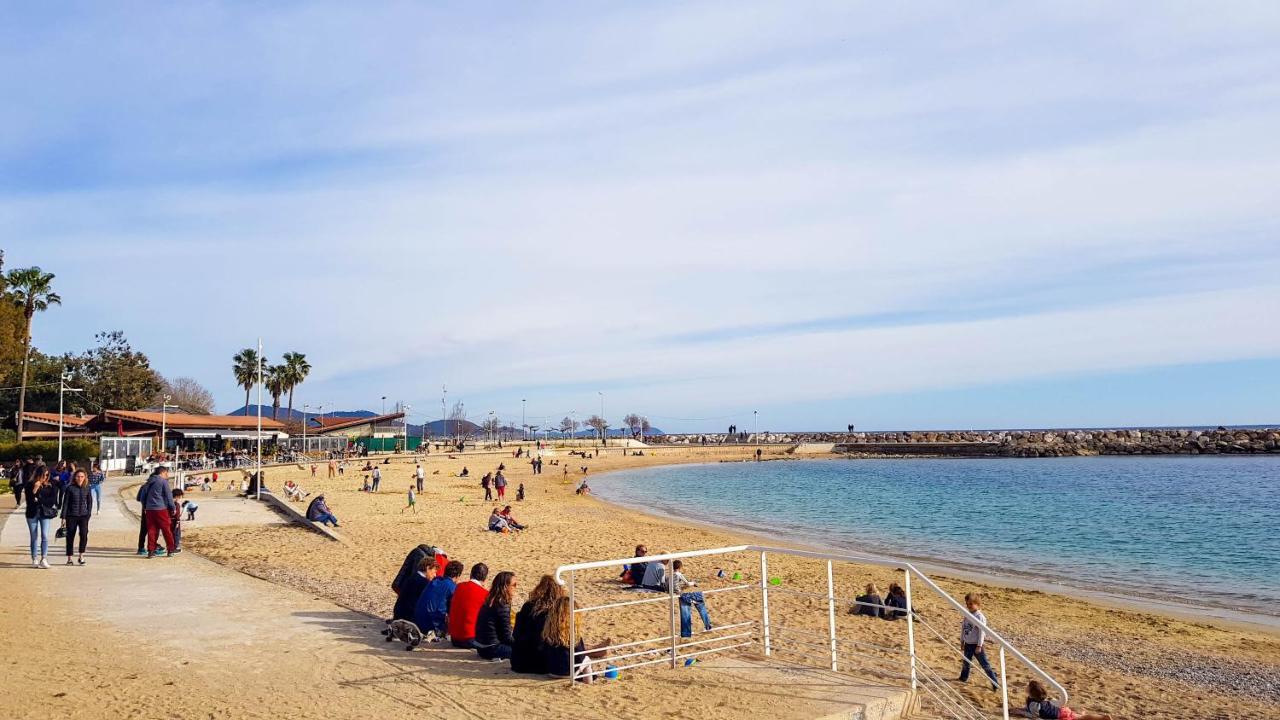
[465,607]
[583,489]
[511,520]
[526,655]
[655,576]
[465,472]
[555,643]
[895,603]
[868,603]
[497,523]
[493,622]
[413,559]
[634,573]
[431,614]
[520,493]
[318,511]
[411,589]
[1039,705]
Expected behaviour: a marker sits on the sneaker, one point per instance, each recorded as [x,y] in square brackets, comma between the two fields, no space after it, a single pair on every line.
[150,555]
[142,552]
[70,561]
[35,563]
[44,563]
[81,561]
[161,552]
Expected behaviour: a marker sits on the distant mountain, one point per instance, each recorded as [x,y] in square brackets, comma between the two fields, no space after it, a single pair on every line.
[284,416]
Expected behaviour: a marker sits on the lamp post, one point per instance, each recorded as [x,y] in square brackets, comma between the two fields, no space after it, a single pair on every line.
[602,422]
[258,490]
[491,428]
[444,422]
[523,425]
[755,416]
[62,388]
[406,427]
[384,404]
[304,427]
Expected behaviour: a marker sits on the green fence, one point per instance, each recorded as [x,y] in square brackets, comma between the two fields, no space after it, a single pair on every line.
[391,444]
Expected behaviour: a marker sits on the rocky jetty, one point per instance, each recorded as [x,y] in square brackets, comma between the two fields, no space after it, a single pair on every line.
[1018,443]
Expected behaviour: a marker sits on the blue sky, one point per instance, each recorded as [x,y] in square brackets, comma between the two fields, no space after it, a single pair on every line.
[900,217]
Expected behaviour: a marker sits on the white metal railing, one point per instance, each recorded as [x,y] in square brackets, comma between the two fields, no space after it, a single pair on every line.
[923,678]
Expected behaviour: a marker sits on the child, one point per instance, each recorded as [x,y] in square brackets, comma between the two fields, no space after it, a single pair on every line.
[1040,706]
[432,612]
[520,493]
[313,469]
[689,601]
[411,506]
[972,638]
[191,508]
[176,521]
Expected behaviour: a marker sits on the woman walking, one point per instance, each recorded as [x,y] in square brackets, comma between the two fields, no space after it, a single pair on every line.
[42,506]
[77,507]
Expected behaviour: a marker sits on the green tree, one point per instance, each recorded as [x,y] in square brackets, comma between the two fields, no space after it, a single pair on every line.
[32,290]
[296,369]
[277,382]
[245,366]
[11,329]
[114,375]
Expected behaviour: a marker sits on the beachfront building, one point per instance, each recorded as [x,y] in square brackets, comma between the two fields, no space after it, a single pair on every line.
[378,433]
[190,433]
[44,426]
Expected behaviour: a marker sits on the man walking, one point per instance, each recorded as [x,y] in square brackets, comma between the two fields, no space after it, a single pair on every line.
[420,475]
[377,479]
[157,510]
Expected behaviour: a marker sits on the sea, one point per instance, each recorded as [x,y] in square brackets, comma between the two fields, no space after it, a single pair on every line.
[1200,531]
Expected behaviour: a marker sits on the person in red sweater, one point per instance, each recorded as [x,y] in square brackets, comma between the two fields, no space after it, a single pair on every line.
[467,600]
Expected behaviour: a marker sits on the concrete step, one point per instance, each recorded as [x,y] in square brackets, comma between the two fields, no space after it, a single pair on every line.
[812,692]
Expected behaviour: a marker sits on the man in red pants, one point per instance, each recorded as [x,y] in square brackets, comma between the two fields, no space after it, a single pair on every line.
[157,506]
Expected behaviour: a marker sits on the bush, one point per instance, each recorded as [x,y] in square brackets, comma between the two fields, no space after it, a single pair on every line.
[77,449]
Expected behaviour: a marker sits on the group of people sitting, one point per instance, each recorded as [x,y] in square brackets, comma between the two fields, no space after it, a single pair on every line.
[467,615]
[889,607]
[502,521]
[667,576]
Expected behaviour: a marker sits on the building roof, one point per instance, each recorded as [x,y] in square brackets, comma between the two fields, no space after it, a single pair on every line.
[330,424]
[68,421]
[182,421]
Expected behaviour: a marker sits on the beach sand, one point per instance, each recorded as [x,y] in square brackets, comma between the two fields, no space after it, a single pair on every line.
[1128,663]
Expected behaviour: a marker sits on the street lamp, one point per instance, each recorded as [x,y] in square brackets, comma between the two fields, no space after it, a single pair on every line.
[384,404]
[258,490]
[491,428]
[602,422]
[523,425]
[164,426]
[406,427]
[62,388]
[304,427]
[754,417]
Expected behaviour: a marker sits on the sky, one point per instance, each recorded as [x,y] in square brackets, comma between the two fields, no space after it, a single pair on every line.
[782,215]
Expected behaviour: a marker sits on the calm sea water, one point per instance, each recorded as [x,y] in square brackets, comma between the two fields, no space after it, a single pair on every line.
[1204,530]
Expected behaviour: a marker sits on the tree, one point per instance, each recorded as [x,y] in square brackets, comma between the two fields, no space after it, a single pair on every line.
[277,382]
[632,422]
[12,326]
[113,374]
[187,394]
[32,290]
[600,425]
[492,426]
[296,369]
[566,425]
[245,367]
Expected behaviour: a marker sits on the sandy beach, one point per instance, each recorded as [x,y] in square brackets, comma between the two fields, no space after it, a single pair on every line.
[1122,661]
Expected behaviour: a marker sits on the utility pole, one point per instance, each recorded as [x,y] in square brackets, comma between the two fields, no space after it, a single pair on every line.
[304,428]
[406,428]
[444,420]
[258,494]
[523,425]
[62,388]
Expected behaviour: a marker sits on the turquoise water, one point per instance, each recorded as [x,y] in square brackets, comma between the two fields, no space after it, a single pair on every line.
[1204,530]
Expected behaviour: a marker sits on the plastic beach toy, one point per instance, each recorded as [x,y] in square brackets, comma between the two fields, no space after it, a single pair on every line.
[737,576]
[690,661]
[611,672]
[775,581]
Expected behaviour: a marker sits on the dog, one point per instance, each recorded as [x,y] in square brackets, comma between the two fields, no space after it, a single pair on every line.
[404,631]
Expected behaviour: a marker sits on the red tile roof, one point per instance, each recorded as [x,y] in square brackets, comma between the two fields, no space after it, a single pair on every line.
[68,420]
[180,421]
[329,424]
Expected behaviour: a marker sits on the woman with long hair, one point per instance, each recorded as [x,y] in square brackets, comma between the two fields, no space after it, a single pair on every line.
[42,507]
[555,643]
[493,623]
[526,656]
[77,508]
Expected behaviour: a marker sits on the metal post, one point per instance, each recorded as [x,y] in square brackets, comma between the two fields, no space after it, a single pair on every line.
[911,626]
[831,615]
[573,634]
[671,593]
[523,424]
[764,603]
[258,493]
[1004,686]
[304,428]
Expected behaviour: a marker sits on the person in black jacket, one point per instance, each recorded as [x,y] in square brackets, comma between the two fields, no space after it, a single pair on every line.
[493,624]
[411,588]
[868,603]
[526,650]
[77,508]
[42,506]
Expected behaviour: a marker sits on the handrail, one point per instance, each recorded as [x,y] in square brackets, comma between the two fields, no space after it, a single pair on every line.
[882,561]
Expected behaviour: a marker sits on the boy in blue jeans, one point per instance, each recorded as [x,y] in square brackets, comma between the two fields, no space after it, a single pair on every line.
[688,601]
[972,638]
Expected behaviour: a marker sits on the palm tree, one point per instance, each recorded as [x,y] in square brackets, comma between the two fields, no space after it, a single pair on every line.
[296,370]
[277,381]
[32,290]
[245,367]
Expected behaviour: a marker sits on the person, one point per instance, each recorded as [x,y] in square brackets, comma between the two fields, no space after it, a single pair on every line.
[411,561]
[42,506]
[689,601]
[431,614]
[412,502]
[632,574]
[313,470]
[972,638]
[465,472]
[411,589]
[1039,705]
[420,475]
[520,493]
[526,653]
[655,576]
[293,491]
[96,478]
[191,507]
[493,622]
[484,483]
[377,480]
[497,523]
[17,482]
[465,607]
[759,452]
[868,603]
[318,511]
[555,643]
[511,519]
[500,483]
[158,507]
[895,603]
[584,488]
[175,520]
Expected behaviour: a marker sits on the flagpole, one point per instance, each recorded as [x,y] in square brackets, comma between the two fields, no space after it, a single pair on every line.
[259,489]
